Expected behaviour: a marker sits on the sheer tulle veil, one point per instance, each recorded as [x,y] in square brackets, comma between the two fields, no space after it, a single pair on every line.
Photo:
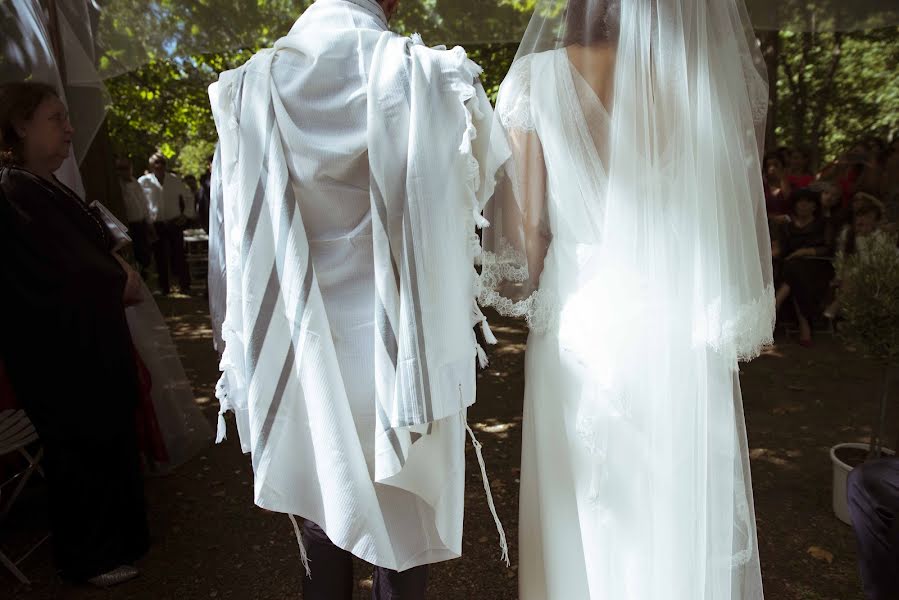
[630,228]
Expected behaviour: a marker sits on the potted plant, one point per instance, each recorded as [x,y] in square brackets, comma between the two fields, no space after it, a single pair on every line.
[869,306]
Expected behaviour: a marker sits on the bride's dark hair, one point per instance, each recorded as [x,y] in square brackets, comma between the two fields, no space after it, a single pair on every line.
[592,22]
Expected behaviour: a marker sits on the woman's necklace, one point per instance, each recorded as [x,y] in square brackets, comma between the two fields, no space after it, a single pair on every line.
[58,186]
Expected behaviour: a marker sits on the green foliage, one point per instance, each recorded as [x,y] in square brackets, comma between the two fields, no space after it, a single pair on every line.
[869,297]
[194,157]
[831,88]
[165,106]
[835,88]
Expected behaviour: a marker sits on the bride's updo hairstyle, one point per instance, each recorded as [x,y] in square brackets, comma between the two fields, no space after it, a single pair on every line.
[592,22]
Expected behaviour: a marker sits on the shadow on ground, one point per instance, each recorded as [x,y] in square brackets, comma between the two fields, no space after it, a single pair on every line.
[211,542]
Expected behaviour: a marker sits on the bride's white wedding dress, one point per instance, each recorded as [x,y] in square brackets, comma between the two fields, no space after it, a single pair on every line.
[635,478]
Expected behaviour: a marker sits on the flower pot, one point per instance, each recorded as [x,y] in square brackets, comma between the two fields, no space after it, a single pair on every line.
[841,470]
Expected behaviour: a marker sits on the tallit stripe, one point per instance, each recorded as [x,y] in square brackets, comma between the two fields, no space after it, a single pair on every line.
[378,200]
[274,407]
[391,434]
[286,368]
[259,195]
[263,319]
[424,376]
[388,337]
[288,210]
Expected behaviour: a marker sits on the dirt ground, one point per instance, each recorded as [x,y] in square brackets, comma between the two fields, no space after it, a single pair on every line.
[211,542]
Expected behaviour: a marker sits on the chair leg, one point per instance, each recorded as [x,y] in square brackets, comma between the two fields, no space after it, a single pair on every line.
[6,562]
[23,480]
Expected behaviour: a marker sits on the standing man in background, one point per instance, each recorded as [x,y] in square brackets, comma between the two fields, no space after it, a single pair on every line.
[170,205]
[137,213]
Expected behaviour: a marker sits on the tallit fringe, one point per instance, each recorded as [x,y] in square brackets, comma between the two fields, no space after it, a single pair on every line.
[221,392]
[304,558]
[483,361]
[467,92]
[504,547]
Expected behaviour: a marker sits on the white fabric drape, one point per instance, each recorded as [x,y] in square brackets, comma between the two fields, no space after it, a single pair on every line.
[185,430]
[629,229]
[27,54]
[349,353]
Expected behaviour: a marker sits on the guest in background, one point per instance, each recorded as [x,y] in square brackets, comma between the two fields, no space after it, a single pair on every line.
[856,170]
[804,278]
[798,173]
[777,189]
[170,204]
[833,212]
[191,182]
[203,199]
[138,215]
[867,218]
[66,345]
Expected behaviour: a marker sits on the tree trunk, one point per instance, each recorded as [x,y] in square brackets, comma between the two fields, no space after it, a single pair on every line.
[770,41]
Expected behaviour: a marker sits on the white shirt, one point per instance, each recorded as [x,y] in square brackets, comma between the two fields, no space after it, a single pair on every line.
[164,200]
[136,208]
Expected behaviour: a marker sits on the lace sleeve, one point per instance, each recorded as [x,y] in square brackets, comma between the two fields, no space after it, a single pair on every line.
[513,105]
[504,271]
[516,242]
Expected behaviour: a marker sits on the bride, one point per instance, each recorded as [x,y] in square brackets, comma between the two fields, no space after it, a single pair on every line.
[629,230]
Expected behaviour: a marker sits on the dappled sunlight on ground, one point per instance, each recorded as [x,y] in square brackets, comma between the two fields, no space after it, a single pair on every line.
[798,403]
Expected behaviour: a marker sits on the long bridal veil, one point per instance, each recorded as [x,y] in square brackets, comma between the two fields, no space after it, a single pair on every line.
[637,147]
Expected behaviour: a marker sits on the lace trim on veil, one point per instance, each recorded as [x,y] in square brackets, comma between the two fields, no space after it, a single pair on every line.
[745,334]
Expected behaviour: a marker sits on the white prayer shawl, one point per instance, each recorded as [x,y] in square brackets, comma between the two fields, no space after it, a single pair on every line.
[390,490]
[185,430]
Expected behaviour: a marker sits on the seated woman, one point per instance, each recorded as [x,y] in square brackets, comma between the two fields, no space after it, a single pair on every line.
[804,278]
[777,189]
[798,173]
[65,342]
[832,210]
[866,219]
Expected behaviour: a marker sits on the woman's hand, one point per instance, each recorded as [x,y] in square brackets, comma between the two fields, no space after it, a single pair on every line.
[802,253]
[133,293]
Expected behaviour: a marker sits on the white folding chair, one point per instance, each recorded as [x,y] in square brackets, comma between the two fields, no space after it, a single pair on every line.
[16,434]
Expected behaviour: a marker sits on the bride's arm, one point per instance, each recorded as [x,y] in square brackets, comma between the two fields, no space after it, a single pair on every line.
[530,173]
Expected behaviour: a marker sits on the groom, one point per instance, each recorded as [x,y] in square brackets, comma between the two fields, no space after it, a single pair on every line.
[353,167]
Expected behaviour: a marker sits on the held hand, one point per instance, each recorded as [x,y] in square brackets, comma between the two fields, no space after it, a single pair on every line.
[801,253]
[132,294]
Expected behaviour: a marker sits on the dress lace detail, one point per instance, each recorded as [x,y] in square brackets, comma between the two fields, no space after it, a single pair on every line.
[513,107]
[540,308]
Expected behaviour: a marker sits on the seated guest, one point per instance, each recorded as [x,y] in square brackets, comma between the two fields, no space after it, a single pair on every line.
[867,218]
[798,173]
[873,494]
[65,342]
[832,211]
[777,189]
[802,279]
